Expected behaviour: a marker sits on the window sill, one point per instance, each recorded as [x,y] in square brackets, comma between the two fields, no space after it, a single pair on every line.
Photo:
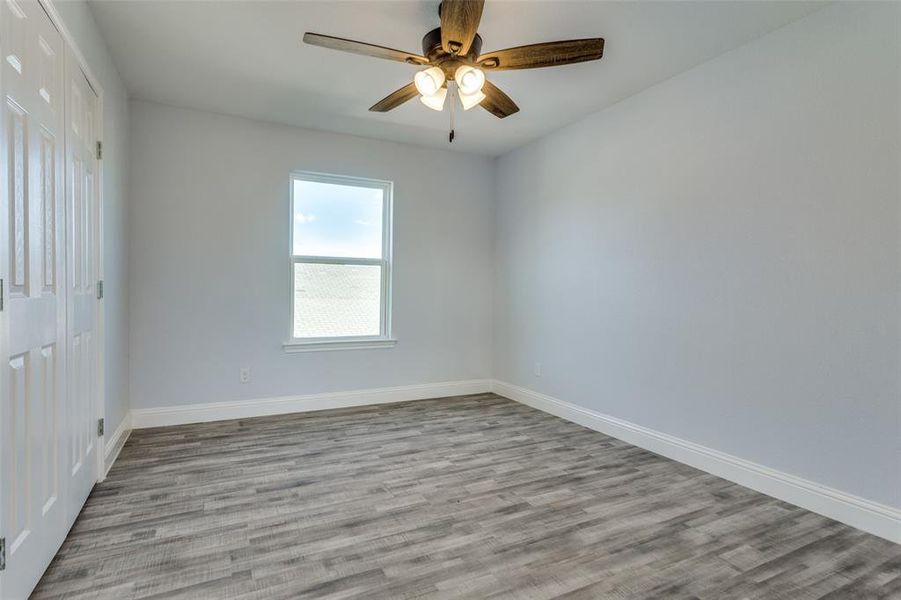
[327,345]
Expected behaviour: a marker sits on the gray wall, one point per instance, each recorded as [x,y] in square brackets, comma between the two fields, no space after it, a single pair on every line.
[209,260]
[717,258]
[78,20]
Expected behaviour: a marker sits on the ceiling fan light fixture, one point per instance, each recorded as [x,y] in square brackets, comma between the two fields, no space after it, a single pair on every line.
[469,79]
[435,101]
[429,81]
[470,100]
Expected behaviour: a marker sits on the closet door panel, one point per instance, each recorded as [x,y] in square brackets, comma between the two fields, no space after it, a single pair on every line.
[82,225]
[33,401]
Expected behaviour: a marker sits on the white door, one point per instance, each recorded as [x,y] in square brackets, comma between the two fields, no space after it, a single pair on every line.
[32,414]
[82,227]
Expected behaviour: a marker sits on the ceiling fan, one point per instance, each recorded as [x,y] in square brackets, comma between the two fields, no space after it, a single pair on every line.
[455,64]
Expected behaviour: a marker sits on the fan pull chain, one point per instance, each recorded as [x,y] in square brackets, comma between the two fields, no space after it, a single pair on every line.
[452,93]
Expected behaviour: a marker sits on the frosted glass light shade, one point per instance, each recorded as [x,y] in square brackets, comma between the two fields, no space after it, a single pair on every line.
[435,101]
[429,81]
[469,79]
[470,100]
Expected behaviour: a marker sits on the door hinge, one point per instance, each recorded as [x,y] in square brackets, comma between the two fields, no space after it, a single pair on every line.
[100,290]
[99,427]
[2,295]
[2,554]
[99,150]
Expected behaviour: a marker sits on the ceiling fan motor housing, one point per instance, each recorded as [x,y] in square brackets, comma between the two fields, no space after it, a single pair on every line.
[431,49]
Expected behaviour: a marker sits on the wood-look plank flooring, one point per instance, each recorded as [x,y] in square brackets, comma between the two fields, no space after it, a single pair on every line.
[470,497]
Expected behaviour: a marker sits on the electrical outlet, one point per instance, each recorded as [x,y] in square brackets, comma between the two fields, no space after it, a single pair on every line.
[538,369]
[245,374]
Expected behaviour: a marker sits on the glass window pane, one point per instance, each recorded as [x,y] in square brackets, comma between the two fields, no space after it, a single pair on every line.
[337,220]
[336,300]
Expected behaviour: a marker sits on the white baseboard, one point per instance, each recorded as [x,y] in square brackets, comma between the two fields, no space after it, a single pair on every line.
[240,409]
[115,443]
[873,517]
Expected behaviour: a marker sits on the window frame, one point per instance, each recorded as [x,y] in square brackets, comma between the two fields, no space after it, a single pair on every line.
[383,339]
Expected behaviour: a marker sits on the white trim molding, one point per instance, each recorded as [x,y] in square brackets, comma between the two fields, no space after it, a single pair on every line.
[114,445]
[872,517]
[337,344]
[260,407]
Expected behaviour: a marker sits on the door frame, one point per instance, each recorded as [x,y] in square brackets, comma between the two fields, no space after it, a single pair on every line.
[100,397]
[4,295]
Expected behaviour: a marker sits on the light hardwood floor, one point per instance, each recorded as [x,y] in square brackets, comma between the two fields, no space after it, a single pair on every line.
[471,497]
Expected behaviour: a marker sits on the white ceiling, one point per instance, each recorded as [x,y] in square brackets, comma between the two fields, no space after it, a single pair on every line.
[246,58]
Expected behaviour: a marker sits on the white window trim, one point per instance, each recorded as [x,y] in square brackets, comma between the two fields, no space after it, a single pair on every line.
[384,339]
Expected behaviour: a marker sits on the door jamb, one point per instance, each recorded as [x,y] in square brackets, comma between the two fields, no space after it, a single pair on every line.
[4,297]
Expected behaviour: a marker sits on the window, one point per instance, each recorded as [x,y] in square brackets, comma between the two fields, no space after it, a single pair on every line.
[340,262]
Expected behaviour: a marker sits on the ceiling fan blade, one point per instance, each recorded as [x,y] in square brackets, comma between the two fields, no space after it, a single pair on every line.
[395,99]
[336,43]
[459,24]
[548,54]
[497,102]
